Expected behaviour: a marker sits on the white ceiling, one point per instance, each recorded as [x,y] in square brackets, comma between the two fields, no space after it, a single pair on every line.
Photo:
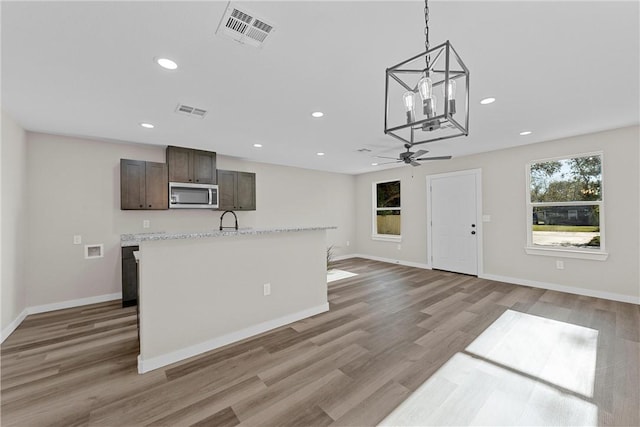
[557,68]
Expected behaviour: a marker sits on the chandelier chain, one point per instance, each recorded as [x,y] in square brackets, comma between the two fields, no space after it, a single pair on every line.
[426,31]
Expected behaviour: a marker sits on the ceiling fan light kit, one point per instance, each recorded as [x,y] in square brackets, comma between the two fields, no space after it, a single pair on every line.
[427,95]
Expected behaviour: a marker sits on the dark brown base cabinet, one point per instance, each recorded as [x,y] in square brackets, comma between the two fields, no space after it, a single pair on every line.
[236,190]
[129,277]
[143,185]
[189,165]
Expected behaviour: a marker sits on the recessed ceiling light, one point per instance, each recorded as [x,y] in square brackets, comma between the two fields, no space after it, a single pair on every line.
[257,145]
[487,101]
[526,132]
[317,114]
[147,125]
[166,63]
[320,154]
[374,164]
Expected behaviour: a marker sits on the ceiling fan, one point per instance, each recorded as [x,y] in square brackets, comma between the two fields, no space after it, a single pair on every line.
[412,158]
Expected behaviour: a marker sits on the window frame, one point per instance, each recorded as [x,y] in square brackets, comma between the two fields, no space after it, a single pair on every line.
[599,254]
[374,211]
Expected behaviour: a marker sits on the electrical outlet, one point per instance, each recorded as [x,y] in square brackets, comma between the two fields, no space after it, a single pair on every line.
[145,223]
[347,243]
[560,265]
[77,239]
[266,288]
[399,247]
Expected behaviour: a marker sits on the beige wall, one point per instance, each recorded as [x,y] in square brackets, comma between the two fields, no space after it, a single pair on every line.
[14,225]
[289,197]
[74,188]
[503,197]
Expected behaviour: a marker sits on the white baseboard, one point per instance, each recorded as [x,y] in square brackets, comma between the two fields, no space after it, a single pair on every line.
[389,260]
[561,288]
[74,303]
[517,281]
[13,325]
[194,350]
[56,306]
[343,257]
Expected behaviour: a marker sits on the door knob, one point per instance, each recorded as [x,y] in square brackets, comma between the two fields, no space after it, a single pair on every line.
[473,225]
[473,232]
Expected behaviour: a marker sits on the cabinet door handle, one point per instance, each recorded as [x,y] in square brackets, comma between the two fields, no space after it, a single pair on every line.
[149,205]
[140,205]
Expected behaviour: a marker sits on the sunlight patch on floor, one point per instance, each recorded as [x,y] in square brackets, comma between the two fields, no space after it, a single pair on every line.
[522,370]
[333,275]
[560,353]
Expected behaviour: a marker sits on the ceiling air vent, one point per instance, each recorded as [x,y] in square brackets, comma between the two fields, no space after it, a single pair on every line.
[243,27]
[191,111]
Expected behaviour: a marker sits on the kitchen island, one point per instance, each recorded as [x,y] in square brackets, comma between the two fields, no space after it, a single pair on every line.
[203,290]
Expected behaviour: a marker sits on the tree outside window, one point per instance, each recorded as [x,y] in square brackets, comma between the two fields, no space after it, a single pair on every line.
[565,203]
[387,211]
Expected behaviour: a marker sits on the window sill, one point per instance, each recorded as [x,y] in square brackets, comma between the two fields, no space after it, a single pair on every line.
[567,253]
[386,238]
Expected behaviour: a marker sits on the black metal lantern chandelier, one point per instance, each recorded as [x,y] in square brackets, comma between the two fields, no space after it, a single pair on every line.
[427,96]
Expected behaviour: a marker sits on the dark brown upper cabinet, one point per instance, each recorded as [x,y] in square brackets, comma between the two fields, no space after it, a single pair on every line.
[236,190]
[189,165]
[143,185]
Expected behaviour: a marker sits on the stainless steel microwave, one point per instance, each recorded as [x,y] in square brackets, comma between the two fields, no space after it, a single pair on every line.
[193,196]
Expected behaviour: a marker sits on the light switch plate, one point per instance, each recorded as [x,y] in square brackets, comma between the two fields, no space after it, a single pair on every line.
[486,218]
[77,239]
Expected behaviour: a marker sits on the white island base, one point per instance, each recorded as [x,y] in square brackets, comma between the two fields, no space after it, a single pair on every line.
[198,294]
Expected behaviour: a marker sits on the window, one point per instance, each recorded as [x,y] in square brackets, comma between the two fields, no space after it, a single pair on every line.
[386,211]
[565,207]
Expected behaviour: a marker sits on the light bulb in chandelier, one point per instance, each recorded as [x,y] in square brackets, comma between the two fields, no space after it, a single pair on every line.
[451,98]
[408,100]
[425,86]
[429,106]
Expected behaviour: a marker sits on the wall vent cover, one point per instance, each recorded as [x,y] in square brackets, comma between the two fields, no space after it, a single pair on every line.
[191,111]
[242,26]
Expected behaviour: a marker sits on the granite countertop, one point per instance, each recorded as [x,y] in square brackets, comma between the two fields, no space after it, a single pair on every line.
[135,239]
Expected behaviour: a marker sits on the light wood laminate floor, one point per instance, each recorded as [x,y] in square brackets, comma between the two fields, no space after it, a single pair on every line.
[400,346]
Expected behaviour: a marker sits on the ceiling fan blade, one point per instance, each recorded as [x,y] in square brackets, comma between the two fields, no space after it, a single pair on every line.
[414,163]
[384,157]
[436,158]
[388,163]
[420,153]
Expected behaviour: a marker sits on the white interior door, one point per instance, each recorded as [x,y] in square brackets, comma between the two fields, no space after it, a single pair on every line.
[453,222]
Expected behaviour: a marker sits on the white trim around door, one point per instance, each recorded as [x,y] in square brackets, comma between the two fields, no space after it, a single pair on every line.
[477,173]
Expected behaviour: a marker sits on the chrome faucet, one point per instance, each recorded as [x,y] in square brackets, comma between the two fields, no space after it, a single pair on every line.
[222,216]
